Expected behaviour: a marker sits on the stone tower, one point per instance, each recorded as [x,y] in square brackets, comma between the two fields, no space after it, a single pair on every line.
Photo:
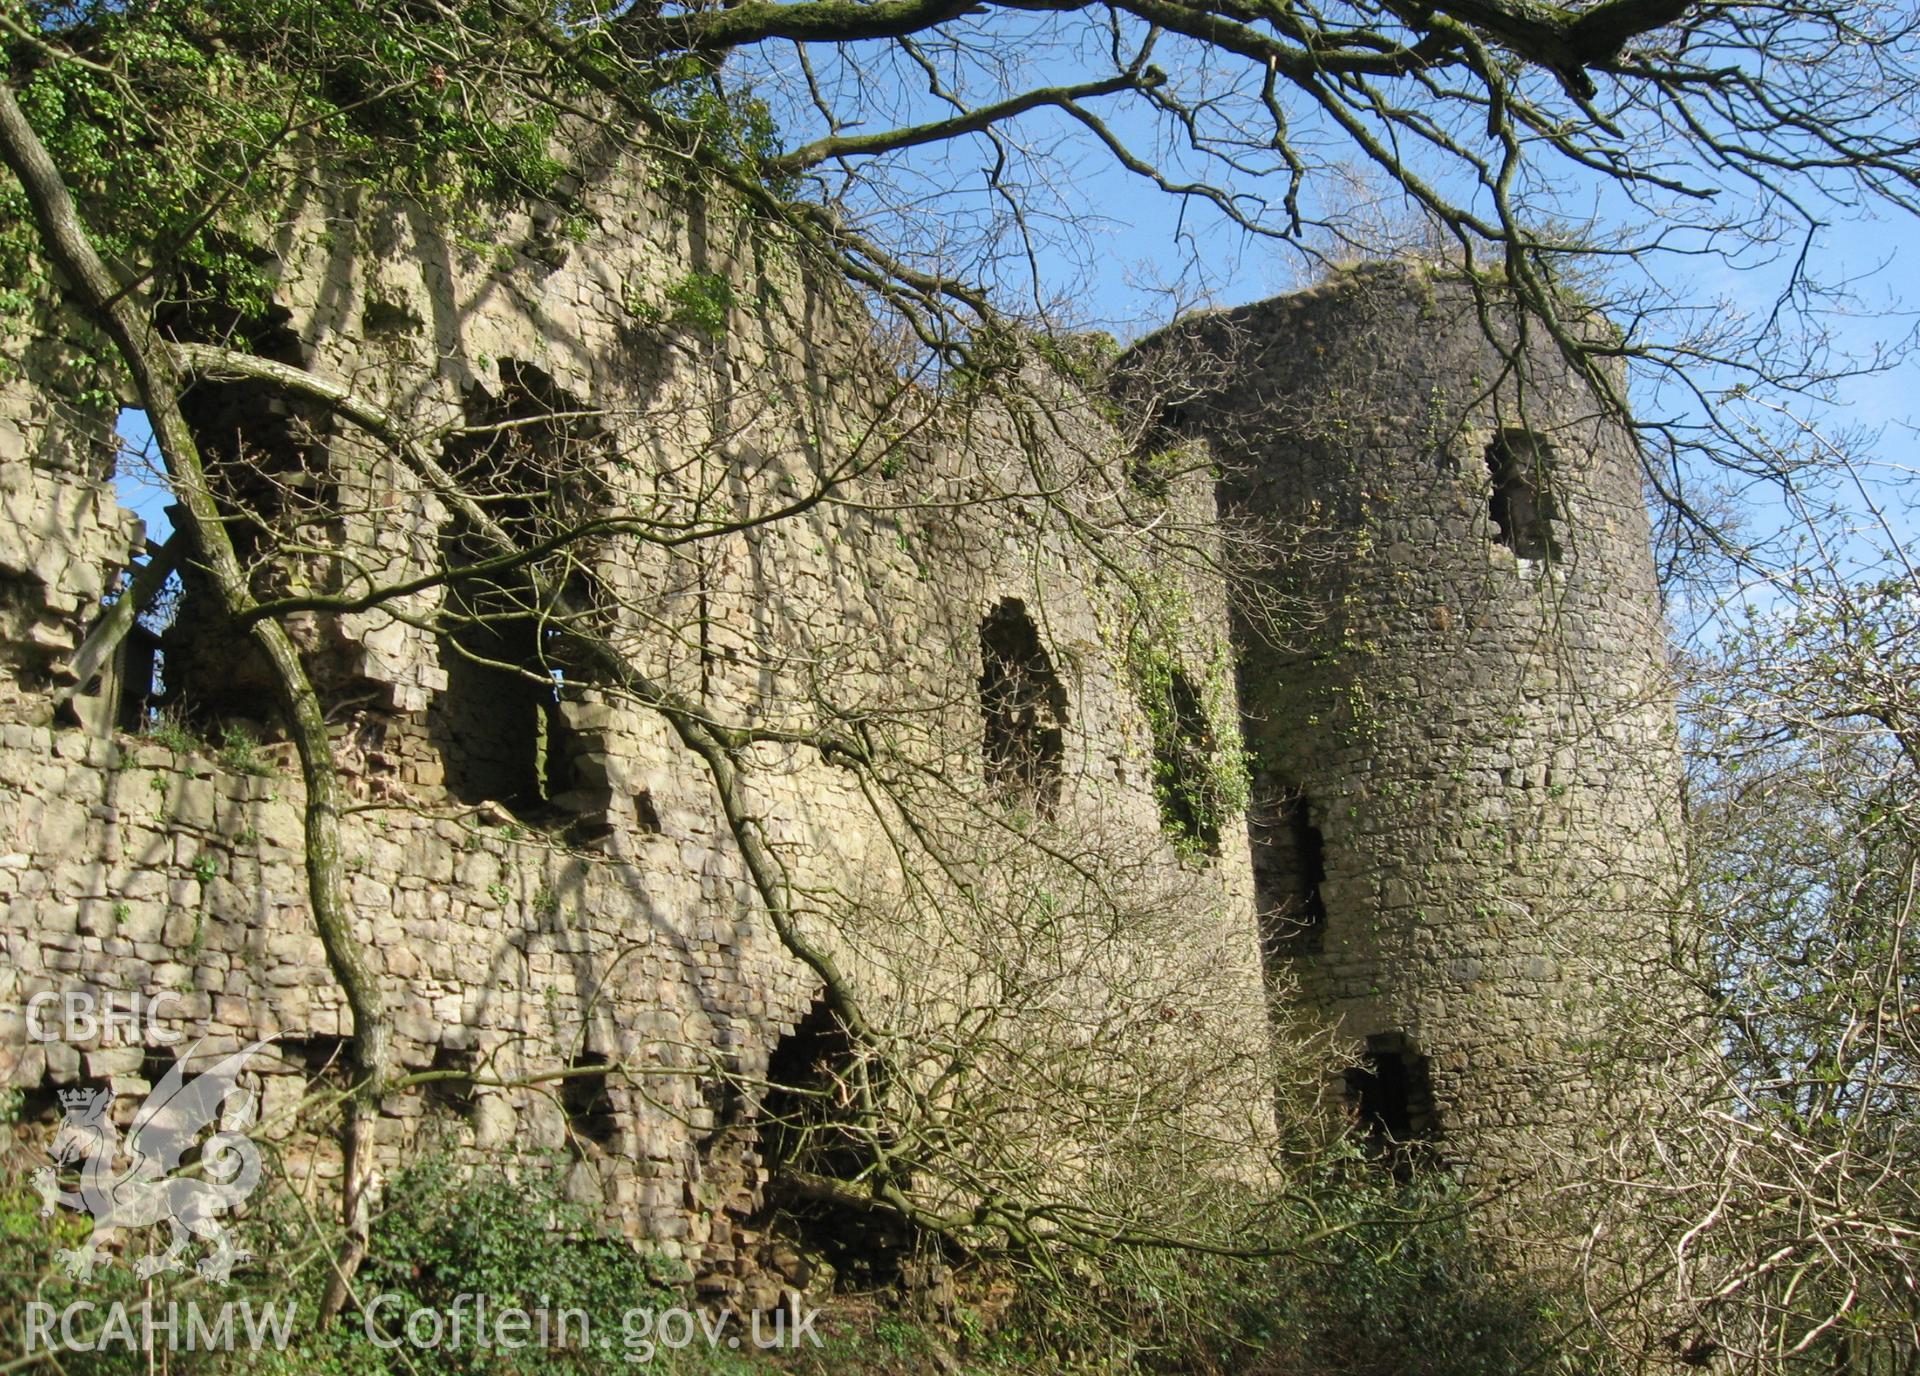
[1457,703]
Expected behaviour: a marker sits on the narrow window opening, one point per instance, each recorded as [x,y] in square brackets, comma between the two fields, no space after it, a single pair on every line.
[1390,1095]
[155,1063]
[1025,707]
[38,1104]
[1186,781]
[212,676]
[141,691]
[499,723]
[322,1059]
[588,1100]
[1289,870]
[1520,466]
[125,685]
[454,1094]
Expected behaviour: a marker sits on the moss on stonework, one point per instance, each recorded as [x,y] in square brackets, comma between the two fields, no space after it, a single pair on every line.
[1200,776]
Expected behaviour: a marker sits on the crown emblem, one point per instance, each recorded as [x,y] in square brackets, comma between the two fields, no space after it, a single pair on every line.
[83,1099]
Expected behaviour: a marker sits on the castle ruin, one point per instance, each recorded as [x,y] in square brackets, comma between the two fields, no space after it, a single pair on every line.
[1448,843]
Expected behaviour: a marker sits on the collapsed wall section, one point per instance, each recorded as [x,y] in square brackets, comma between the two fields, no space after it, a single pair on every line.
[63,537]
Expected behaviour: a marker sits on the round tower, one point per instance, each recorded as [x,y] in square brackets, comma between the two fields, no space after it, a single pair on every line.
[1457,704]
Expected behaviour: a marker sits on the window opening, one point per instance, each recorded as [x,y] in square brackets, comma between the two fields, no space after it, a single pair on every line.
[1025,707]
[588,1100]
[454,1094]
[531,453]
[1185,778]
[1520,465]
[1289,869]
[1390,1095]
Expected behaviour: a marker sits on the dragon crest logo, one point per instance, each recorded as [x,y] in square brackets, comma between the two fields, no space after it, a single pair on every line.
[164,1130]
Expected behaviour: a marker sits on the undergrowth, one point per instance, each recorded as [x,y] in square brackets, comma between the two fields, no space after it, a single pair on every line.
[1372,1299]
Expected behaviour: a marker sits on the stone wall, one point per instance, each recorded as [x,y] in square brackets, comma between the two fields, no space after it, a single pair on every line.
[1450,679]
[541,873]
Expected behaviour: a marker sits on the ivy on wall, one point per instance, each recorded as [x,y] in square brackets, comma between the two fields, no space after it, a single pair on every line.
[185,127]
[1200,774]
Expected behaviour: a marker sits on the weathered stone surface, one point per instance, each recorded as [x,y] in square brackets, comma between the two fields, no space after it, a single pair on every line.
[1473,736]
[1484,740]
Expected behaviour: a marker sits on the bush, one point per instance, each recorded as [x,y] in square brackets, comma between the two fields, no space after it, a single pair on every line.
[1416,1297]
[513,1238]
[445,1233]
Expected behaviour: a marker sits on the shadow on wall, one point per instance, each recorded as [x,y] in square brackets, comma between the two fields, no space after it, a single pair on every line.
[1025,707]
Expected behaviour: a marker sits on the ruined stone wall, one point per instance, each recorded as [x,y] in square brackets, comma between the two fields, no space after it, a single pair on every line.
[1450,679]
[61,533]
[1457,698]
[542,877]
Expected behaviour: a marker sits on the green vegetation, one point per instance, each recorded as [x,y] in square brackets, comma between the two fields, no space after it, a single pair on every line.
[995,354]
[1152,473]
[180,125]
[726,128]
[513,1238]
[1200,775]
[701,301]
[1083,359]
[1381,1298]
[184,131]
[175,734]
[1355,1302]
[444,1233]
[240,752]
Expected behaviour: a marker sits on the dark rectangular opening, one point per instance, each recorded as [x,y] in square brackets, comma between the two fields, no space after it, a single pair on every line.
[533,456]
[1185,780]
[324,1059]
[498,724]
[1025,707]
[1521,505]
[1390,1095]
[453,1094]
[588,1100]
[1289,872]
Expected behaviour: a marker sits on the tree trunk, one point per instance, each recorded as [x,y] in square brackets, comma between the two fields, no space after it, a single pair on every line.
[93,289]
[117,621]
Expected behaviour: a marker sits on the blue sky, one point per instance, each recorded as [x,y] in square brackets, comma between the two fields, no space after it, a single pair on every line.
[1131,255]
[138,484]
[1115,290]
